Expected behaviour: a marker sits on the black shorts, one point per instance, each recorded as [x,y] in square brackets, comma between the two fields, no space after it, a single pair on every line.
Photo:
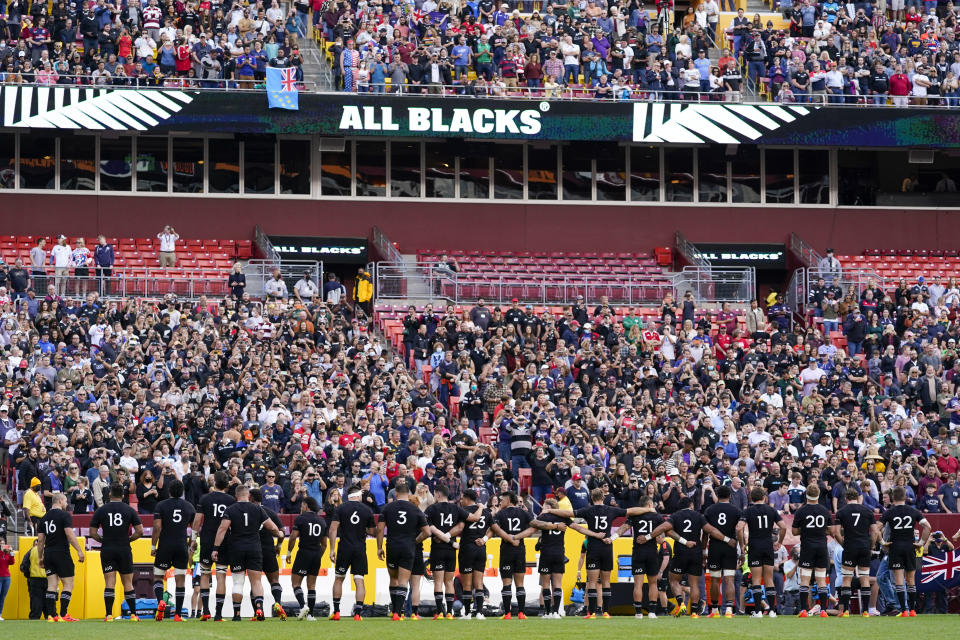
[81,272]
[814,556]
[600,558]
[442,558]
[307,563]
[400,556]
[119,559]
[856,555]
[206,550]
[513,559]
[246,559]
[686,561]
[270,562]
[721,557]
[57,562]
[902,556]
[472,558]
[645,562]
[761,556]
[172,555]
[351,559]
[419,566]
[553,561]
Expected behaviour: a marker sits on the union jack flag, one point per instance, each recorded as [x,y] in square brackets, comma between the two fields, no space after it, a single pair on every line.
[939,571]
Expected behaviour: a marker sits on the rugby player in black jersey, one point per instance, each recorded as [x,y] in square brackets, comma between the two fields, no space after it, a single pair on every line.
[687,557]
[722,558]
[243,520]
[55,536]
[352,522]
[170,547]
[902,546]
[811,522]
[647,560]
[404,527]
[553,558]
[310,529]
[270,547]
[446,520]
[755,533]
[120,525]
[472,558]
[857,531]
[205,524]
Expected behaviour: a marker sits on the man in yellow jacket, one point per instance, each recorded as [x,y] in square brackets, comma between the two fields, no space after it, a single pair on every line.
[36,582]
[363,290]
[33,502]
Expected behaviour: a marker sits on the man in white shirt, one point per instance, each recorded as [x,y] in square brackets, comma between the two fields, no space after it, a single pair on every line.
[275,287]
[772,397]
[305,289]
[168,246]
[571,60]
[60,257]
[713,17]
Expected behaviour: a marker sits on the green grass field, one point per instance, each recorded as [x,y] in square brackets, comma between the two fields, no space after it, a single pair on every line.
[740,628]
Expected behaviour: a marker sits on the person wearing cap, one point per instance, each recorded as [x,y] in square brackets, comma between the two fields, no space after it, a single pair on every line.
[830,268]
[33,502]
[838,494]
[305,289]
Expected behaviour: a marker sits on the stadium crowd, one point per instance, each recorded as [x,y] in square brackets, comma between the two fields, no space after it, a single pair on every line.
[297,395]
[149,43]
[829,52]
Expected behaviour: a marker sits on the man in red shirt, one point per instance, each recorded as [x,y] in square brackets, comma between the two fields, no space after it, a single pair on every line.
[900,87]
[947,464]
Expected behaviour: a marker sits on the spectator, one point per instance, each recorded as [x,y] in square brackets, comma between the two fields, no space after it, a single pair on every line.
[237,281]
[275,287]
[33,502]
[168,246]
[60,258]
[104,259]
[305,289]
[333,290]
[363,291]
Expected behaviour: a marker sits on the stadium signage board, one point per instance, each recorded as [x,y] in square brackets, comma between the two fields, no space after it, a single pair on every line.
[434,120]
[324,249]
[760,256]
[169,110]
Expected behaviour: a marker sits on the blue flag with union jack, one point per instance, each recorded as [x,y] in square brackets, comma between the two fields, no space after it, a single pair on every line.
[939,571]
[282,88]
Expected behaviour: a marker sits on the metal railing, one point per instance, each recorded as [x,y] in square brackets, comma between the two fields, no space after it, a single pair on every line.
[168,82]
[402,281]
[804,251]
[126,282]
[629,92]
[258,271]
[384,247]
[262,242]
[716,284]
[689,252]
[852,280]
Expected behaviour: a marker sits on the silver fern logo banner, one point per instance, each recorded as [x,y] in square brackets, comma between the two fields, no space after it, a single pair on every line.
[710,123]
[88,108]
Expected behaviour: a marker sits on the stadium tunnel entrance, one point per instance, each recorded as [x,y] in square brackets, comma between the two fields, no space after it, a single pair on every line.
[340,255]
[769,261]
